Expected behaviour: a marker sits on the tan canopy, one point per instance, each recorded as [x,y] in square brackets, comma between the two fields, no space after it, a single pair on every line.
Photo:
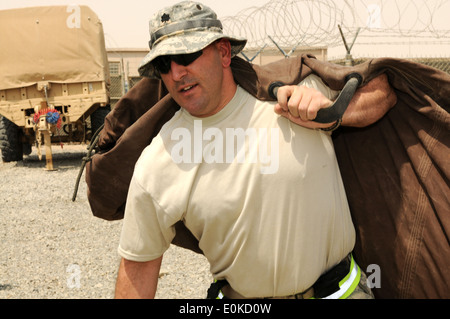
[52,44]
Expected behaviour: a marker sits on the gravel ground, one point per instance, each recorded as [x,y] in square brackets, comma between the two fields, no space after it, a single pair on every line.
[54,248]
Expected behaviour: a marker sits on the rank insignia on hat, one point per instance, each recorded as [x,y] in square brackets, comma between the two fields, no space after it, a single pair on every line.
[165,17]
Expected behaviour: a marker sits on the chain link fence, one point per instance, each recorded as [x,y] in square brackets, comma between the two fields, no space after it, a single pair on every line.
[442,64]
[117,88]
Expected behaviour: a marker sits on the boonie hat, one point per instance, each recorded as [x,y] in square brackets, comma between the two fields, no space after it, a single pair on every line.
[184,28]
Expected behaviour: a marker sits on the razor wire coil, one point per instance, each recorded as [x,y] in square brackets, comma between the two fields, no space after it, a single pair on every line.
[314,23]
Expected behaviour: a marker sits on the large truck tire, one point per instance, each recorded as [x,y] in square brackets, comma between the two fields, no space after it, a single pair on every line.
[10,141]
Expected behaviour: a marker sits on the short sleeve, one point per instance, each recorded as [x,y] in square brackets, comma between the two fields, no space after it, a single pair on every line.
[147,231]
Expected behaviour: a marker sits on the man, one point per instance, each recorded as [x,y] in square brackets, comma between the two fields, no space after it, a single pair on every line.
[263,196]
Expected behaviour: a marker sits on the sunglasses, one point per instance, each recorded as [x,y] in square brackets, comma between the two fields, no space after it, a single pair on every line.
[163,63]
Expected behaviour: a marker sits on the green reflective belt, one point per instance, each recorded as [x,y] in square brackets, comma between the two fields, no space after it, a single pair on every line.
[348,284]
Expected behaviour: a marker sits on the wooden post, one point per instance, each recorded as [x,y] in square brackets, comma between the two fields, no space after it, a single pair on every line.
[48,151]
[44,129]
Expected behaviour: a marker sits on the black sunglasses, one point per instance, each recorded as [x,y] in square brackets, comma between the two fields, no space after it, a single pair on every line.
[163,63]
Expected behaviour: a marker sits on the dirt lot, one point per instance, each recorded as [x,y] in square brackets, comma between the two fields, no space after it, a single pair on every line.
[52,247]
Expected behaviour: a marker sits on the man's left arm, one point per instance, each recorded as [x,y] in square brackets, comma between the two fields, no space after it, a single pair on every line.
[370,103]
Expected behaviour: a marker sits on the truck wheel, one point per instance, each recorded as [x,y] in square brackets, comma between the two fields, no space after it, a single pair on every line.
[26,149]
[10,143]
[98,117]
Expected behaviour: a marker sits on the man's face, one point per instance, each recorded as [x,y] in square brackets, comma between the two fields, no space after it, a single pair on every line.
[199,87]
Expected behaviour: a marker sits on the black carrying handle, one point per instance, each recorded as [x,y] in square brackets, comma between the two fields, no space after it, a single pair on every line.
[337,109]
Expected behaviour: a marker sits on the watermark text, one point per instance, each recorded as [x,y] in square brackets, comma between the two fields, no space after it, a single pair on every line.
[239,145]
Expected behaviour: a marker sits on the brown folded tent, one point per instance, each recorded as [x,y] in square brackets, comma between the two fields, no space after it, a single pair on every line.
[396,171]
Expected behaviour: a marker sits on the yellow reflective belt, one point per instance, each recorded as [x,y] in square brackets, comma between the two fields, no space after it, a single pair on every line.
[220,295]
[348,284]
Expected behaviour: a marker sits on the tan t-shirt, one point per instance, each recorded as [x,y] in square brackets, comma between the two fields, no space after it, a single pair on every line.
[263,196]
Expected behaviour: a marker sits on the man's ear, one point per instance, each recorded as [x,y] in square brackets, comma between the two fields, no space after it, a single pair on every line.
[224,46]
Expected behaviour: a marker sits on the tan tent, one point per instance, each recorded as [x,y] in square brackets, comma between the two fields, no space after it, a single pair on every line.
[37,43]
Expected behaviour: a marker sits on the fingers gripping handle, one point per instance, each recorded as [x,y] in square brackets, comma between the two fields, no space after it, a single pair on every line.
[337,109]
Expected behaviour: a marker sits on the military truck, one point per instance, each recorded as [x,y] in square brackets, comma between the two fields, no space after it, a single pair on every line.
[54,79]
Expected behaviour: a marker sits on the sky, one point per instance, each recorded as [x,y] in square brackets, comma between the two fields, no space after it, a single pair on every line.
[125,22]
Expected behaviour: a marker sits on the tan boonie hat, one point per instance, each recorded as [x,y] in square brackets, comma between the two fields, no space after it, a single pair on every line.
[183,28]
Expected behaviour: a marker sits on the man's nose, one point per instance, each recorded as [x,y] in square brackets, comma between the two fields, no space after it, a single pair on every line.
[178,71]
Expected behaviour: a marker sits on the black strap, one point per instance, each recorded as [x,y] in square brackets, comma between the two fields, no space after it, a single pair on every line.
[214,289]
[328,283]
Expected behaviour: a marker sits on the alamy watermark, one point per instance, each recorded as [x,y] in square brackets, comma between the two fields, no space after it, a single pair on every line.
[373,273]
[239,145]
[73,276]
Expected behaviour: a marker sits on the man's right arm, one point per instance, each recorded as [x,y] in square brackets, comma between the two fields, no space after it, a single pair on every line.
[137,279]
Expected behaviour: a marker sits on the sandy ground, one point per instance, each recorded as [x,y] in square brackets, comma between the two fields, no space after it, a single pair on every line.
[53,247]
